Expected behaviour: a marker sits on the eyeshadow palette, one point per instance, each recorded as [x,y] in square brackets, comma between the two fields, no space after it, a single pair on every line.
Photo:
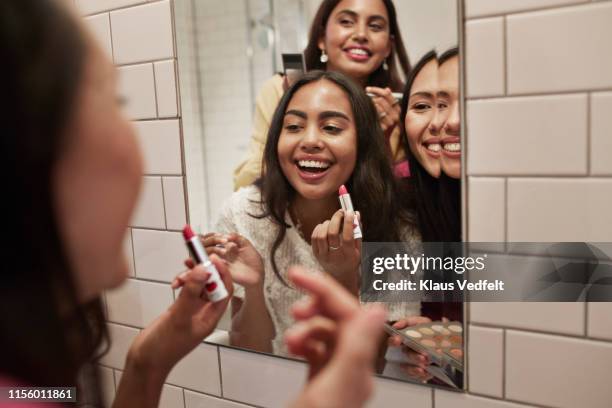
[441,341]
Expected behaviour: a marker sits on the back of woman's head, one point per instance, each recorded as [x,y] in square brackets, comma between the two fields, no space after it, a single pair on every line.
[381,77]
[45,334]
[372,185]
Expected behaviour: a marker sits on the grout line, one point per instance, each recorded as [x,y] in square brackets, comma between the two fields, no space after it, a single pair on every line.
[588,134]
[132,249]
[504,363]
[152,61]
[152,229]
[110,30]
[586,319]
[539,93]
[131,326]
[129,6]
[543,332]
[155,91]
[433,398]
[506,233]
[505,45]
[220,371]
[184,398]
[161,180]
[553,7]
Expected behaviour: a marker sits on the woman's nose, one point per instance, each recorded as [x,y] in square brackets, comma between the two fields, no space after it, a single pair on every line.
[452,125]
[312,139]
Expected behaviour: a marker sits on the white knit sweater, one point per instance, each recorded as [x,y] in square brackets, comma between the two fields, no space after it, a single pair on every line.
[236,216]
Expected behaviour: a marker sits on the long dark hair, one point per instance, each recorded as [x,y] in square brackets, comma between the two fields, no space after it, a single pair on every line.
[372,185]
[422,187]
[450,188]
[381,77]
[46,335]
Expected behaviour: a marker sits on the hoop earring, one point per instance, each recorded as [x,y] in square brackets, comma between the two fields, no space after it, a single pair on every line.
[324,58]
[385,66]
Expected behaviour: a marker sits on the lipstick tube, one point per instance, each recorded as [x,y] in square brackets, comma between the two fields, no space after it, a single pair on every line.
[215,288]
[347,205]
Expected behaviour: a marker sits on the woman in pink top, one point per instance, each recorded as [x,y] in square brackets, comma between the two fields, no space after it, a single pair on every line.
[72,175]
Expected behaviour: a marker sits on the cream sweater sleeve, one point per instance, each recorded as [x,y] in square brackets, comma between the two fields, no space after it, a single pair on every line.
[265,105]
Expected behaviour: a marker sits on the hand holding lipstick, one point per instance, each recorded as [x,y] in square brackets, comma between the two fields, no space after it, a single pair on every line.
[336,248]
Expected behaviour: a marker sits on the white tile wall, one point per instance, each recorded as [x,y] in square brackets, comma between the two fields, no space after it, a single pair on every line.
[149,211]
[600,320]
[138,303]
[160,142]
[478,8]
[171,397]
[258,379]
[601,133]
[487,200]
[165,86]
[528,135]
[485,361]
[446,399]
[158,255]
[559,210]
[121,339]
[137,88]
[389,393]
[129,253]
[545,56]
[557,371]
[485,60]
[174,201]
[198,371]
[567,318]
[197,400]
[143,33]
[95,6]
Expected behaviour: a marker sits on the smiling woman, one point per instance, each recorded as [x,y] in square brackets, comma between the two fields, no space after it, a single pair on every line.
[323,126]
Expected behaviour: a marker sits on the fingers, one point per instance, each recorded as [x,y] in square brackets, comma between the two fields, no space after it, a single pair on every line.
[223,270]
[212,239]
[358,342]
[333,229]
[347,229]
[410,321]
[329,297]
[318,239]
[318,328]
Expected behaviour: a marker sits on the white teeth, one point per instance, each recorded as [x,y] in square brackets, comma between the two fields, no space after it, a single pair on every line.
[434,147]
[313,163]
[358,51]
[452,147]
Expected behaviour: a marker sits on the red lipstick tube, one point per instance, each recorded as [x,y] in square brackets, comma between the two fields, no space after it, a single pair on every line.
[347,205]
[215,289]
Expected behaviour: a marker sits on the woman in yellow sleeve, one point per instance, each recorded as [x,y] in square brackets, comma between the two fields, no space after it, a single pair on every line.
[359,38]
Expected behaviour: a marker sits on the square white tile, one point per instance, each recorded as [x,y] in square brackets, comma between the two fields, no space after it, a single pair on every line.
[158,255]
[166,89]
[138,303]
[485,361]
[143,33]
[198,371]
[174,200]
[484,57]
[149,211]
[601,133]
[137,88]
[160,143]
[543,135]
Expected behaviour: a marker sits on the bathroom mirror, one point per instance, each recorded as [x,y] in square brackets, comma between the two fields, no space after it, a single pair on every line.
[230,55]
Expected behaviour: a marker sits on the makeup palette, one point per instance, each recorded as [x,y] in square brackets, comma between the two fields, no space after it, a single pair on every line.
[442,342]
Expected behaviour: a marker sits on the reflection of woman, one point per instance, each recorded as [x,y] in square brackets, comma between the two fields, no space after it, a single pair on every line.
[450,124]
[421,139]
[359,38]
[323,134]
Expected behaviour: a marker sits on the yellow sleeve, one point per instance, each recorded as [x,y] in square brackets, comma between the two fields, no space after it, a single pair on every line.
[265,105]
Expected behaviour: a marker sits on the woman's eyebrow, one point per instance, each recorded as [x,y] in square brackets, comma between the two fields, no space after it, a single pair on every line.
[422,93]
[297,113]
[355,15]
[333,114]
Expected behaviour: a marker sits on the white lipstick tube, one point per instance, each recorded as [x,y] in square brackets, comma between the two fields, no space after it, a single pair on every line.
[347,205]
